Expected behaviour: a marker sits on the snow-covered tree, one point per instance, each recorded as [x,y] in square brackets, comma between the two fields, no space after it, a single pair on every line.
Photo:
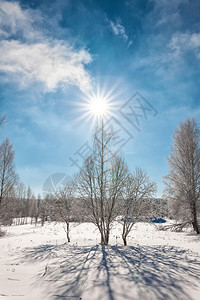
[183,180]
[137,194]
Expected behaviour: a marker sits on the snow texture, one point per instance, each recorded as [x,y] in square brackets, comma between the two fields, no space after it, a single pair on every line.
[37,263]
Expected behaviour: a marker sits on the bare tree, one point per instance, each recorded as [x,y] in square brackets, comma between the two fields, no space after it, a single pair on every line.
[37,208]
[28,206]
[21,192]
[101,181]
[46,209]
[8,176]
[183,180]
[63,201]
[137,193]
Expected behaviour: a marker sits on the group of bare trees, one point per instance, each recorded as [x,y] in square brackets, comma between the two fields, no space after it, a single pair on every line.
[108,189]
[26,206]
[105,190]
[16,201]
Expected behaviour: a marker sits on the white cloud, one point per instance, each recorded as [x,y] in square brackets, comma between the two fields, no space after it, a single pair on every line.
[28,55]
[15,21]
[119,29]
[181,42]
[52,65]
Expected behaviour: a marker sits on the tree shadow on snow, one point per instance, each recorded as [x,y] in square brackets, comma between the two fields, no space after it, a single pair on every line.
[116,272]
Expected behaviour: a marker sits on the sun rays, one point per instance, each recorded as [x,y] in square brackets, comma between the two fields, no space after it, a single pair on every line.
[102,102]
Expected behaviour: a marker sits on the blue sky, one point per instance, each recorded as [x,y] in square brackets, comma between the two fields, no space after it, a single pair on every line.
[53,54]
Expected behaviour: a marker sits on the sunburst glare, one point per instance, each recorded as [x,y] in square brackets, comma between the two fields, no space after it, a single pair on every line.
[102,102]
[98,106]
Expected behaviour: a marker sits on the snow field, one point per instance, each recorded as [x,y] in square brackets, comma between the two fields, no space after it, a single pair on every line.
[37,263]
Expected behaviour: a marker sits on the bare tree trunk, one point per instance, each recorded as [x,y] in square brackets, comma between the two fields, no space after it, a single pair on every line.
[68,238]
[67,231]
[42,220]
[102,238]
[107,237]
[124,234]
[124,240]
[195,221]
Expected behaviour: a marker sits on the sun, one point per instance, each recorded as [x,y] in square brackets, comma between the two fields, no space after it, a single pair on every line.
[98,106]
[100,103]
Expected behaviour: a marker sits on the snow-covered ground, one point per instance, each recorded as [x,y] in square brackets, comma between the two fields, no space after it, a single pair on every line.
[37,263]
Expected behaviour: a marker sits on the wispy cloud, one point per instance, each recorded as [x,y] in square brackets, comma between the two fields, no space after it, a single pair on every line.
[168,11]
[29,54]
[118,29]
[182,42]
